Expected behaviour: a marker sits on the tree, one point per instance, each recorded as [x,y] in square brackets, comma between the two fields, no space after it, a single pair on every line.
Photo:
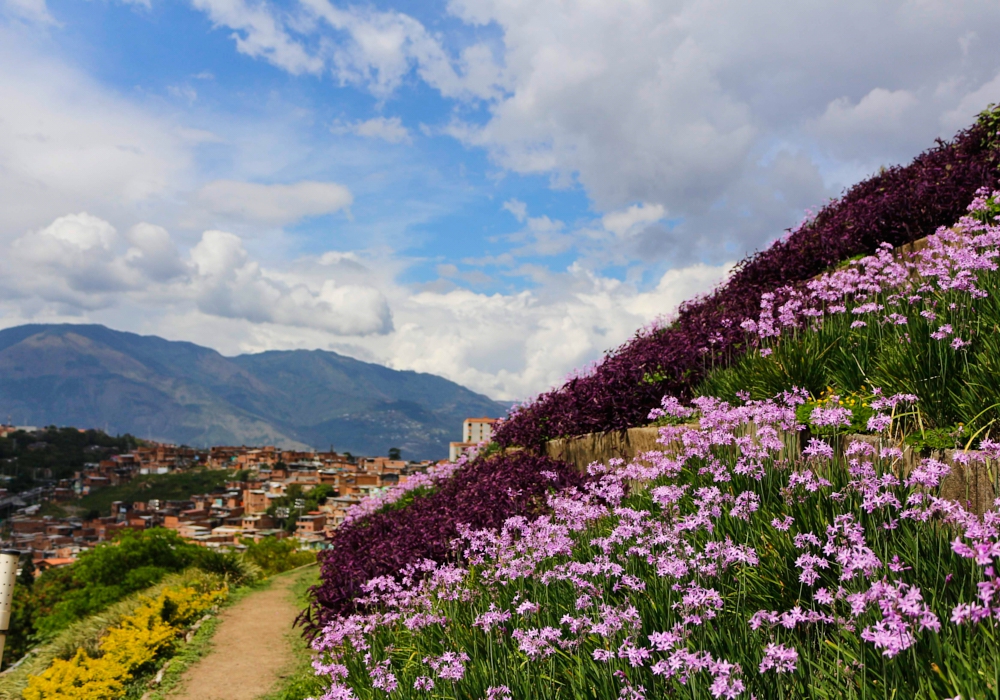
[394,453]
[27,576]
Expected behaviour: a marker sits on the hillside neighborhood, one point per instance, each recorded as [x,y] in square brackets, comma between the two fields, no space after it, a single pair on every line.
[246,507]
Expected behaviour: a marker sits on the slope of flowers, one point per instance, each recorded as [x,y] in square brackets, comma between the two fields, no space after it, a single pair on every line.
[719,568]
[127,649]
[896,206]
[378,541]
[923,323]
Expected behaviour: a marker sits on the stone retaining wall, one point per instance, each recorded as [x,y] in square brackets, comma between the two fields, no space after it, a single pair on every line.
[974,485]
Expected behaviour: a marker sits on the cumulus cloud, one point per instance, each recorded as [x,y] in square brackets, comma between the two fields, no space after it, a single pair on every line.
[510,346]
[72,260]
[272,204]
[623,220]
[231,285]
[682,105]
[81,263]
[388,129]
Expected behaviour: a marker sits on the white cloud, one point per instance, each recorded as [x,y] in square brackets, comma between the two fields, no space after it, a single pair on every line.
[259,33]
[373,49]
[230,285]
[972,104]
[272,204]
[684,104]
[622,221]
[389,129]
[511,346]
[80,263]
[73,260]
[518,208]
[382,48]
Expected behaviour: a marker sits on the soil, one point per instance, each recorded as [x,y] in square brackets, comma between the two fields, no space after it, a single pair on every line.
[249,648]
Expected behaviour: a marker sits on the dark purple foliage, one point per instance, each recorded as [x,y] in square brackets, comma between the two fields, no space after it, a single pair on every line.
[896,206]
[482,495]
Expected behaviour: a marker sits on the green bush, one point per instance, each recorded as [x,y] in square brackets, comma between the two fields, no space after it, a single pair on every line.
[133,561]
[274,556]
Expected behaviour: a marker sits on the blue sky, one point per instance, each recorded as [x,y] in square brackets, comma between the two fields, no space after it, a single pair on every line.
[495,191]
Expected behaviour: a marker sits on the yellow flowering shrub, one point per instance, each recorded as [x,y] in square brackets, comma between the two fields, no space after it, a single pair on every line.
[135,642]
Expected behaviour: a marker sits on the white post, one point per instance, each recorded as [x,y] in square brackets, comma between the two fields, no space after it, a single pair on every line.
[8,575]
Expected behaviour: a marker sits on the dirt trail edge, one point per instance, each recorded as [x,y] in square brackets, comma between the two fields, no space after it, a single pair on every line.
[250,648]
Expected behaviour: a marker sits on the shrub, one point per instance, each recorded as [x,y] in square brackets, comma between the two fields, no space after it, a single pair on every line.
[126,650]
[274,556]
[482,493]
[133,561]
[899,205]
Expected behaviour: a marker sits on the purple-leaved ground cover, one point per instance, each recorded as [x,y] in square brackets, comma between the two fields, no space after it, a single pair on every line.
[379,540]
[896,206]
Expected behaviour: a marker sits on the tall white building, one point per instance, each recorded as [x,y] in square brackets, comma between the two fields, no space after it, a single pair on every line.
[477,430]
[474,432]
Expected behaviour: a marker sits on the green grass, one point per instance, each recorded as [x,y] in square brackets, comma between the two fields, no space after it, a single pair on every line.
[178,486]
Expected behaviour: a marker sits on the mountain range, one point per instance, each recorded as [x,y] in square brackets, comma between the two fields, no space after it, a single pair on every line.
[90,376]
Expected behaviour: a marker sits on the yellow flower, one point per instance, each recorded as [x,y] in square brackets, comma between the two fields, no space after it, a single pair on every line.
[79,678]
[135,642]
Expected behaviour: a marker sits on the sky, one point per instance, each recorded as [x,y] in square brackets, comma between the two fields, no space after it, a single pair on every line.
[495,191]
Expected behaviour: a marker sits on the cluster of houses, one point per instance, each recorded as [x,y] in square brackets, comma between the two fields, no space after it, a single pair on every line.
[247,509]
[243,510]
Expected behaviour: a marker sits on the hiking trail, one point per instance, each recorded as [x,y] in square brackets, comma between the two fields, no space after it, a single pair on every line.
[251,647]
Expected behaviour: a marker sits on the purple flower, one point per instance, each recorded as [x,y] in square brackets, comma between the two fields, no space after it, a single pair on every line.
[783,524]
[450,666]
[836,416]
[942,332]
[818,448]
[500,692]
[879,422]
[746,504]
[779,658]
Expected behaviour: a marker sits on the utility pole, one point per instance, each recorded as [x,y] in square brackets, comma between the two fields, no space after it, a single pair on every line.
[8,575]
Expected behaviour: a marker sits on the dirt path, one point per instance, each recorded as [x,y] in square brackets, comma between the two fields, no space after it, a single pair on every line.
[249,649]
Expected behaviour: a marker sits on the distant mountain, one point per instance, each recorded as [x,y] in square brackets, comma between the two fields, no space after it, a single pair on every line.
[91,376]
